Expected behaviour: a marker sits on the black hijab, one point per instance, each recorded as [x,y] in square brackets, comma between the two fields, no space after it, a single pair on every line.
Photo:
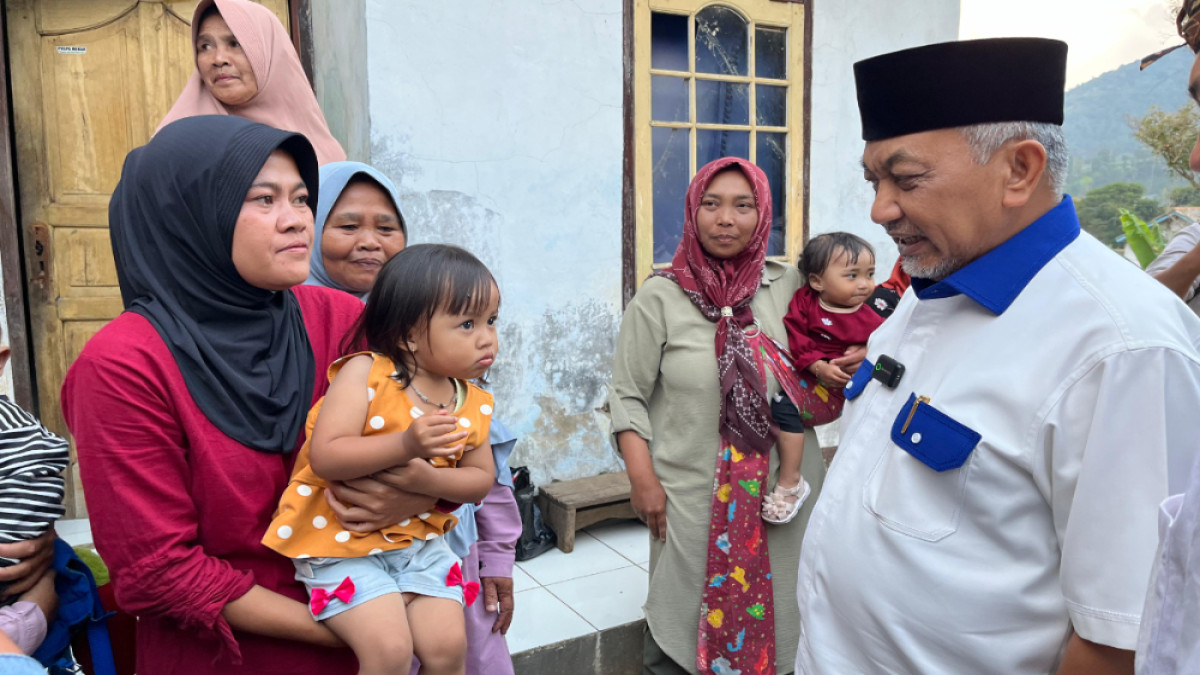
[243,351]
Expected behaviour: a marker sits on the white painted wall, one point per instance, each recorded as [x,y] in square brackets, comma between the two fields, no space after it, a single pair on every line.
[501,123]
[845,32]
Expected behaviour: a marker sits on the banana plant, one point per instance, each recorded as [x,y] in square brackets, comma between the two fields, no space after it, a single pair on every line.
[1145,240]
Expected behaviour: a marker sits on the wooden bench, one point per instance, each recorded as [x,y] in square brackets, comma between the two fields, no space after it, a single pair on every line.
[571,505]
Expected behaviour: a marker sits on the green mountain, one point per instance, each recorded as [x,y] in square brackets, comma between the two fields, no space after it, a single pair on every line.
[1096,124]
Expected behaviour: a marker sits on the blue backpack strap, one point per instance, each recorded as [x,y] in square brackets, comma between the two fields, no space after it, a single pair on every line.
[102,655]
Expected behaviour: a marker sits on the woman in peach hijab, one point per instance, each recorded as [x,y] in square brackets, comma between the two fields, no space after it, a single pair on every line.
[246,66]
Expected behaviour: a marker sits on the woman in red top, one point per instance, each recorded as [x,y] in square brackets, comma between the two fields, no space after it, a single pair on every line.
[187,408]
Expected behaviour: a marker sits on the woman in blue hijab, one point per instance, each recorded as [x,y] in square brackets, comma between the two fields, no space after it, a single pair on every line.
[358,229]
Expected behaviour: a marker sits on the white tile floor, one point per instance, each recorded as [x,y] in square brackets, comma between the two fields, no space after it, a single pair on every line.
[601,584]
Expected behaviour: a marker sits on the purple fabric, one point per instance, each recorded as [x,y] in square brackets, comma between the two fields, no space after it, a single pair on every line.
[499,525]
[487,652]
[24,624]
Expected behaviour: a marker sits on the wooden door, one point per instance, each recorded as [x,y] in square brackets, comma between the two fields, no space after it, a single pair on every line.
[91,79]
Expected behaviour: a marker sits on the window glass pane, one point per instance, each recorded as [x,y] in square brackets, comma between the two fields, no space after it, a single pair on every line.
[722,102]
[721,41]
[668,98]
[670,175]
[712,144]
[772,159]
[668,41]
[770,53]
[770,105]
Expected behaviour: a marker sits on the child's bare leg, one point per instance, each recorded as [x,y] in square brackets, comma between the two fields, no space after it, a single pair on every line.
[791,454]
[781,504]
[378,632]
[439,634]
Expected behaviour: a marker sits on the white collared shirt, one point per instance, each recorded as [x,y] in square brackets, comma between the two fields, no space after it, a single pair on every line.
[1082,392]
[1180,245]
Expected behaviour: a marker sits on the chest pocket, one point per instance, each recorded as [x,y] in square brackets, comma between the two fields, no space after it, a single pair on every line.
[858,383]
[919,483]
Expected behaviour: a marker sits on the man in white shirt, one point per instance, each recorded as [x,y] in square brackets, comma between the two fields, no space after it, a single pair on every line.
[1170,639]
[1178,266]
[993,510]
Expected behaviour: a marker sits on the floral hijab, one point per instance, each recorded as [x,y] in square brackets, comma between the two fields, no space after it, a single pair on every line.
[722,290]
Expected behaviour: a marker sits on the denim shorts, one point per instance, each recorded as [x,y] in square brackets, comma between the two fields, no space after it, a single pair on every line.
[420,568]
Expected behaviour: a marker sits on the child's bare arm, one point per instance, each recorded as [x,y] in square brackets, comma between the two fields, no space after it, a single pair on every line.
[339,451]
[829,373]
[470,481]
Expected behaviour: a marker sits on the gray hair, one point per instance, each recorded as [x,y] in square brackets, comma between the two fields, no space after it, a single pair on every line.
[985,139]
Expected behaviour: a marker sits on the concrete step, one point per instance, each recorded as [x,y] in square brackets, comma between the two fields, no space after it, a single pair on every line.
[613,651]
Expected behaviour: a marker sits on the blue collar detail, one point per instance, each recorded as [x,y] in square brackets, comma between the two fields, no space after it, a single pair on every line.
[996,279]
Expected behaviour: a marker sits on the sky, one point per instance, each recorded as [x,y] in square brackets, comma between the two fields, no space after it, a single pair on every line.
[1100,34]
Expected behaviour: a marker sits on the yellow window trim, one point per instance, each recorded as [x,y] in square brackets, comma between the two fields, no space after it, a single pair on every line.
[766,13]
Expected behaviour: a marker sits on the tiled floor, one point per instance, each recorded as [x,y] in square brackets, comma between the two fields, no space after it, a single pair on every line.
[601,584]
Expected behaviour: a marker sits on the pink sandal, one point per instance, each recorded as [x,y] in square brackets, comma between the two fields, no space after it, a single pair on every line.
[775,507]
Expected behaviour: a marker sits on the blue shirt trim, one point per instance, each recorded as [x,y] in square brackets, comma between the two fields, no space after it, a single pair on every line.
[998,277]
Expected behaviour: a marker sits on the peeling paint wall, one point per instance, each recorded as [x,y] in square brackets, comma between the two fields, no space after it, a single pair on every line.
[501,124]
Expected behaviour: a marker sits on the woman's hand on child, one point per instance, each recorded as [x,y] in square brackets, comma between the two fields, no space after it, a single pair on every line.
[411,476]
[369,504]
[498,597]
[434,435]
[35,555]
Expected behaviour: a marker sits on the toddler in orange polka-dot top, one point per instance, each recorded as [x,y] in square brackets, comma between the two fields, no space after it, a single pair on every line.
[407,407]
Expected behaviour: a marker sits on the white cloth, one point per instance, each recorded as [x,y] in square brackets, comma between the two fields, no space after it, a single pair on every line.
[1181,243]
[1080,390]
[1169,643]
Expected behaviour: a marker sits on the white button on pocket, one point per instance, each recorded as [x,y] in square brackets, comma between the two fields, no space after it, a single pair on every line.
[916,438]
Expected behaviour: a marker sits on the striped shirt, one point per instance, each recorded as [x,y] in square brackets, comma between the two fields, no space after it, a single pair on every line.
[31,485]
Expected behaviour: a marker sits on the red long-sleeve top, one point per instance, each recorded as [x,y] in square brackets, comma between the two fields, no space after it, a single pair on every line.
[178,509]
[815,333]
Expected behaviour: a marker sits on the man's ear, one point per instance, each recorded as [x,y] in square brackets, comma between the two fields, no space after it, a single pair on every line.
[1024,169]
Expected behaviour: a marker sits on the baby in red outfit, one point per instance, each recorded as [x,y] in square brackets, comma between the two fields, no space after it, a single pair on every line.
[825,317]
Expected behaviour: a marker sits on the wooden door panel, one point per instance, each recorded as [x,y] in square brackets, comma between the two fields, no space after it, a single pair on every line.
[56,17]
[92,110]
[91,79]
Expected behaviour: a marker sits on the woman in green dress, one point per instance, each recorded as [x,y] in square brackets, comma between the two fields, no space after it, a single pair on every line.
[722,586]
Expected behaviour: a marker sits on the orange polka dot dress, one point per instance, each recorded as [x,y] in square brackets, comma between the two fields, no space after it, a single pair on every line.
[304,526]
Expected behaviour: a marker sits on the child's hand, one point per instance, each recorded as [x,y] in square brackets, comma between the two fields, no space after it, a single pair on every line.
[830,374]
[433,435]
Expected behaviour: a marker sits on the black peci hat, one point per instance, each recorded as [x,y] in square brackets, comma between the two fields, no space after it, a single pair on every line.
[956,84]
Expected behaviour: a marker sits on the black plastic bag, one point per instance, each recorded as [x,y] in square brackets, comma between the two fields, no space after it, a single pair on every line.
[536,536]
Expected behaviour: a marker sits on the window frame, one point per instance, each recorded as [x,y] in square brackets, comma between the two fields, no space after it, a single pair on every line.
[637,206]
